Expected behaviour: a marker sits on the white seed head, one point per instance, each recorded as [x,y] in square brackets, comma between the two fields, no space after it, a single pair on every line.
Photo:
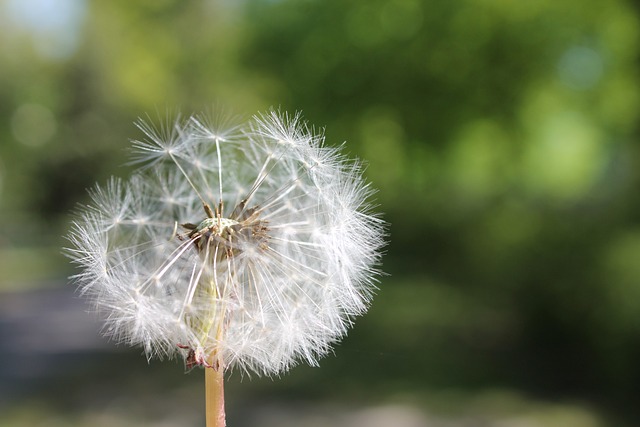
[248,246]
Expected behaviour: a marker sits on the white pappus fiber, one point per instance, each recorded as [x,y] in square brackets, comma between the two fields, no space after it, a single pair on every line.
[249,247]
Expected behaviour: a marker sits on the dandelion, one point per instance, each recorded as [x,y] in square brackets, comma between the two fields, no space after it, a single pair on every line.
[235,247]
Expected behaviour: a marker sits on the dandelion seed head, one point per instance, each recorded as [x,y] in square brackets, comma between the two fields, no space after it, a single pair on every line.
[252,247]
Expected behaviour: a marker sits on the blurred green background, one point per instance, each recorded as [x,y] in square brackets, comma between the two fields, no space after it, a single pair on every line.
[502,136]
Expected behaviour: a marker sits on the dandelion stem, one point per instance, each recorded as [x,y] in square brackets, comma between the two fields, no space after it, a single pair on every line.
[214,395]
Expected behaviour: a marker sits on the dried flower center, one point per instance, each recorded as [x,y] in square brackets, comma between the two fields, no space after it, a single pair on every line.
[216,231]
[215,225]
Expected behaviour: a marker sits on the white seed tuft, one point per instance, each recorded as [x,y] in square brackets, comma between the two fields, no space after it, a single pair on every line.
[251,247]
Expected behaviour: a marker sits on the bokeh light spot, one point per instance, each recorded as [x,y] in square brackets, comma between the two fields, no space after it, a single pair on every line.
[33,125]
[479,159]
[565,156]
[580,67]
[401,19]
[382,138]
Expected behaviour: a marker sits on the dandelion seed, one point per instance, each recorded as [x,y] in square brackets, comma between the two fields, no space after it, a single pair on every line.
[249,247]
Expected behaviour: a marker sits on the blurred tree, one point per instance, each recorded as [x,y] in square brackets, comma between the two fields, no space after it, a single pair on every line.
[502,137]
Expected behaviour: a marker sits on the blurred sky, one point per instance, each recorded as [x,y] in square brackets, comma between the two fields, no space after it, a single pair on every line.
[55,26]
